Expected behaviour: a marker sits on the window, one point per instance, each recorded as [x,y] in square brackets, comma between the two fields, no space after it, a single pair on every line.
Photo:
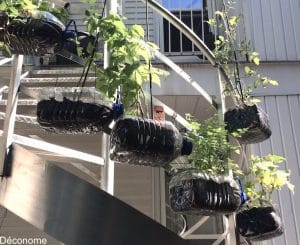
[194,14]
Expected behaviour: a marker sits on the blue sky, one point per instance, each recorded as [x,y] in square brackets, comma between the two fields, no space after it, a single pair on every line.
[182,4]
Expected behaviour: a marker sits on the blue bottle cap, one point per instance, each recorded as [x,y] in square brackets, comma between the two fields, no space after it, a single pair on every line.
[118,110]
[187,147]
[243,194]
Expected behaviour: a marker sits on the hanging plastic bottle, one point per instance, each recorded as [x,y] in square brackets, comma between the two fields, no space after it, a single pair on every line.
[147,142]
[73,117]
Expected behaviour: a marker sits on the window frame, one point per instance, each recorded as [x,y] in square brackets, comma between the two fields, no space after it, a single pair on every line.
[181,56]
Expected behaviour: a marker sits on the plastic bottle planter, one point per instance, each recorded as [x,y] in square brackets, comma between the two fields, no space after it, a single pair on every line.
[259,224]
[73,117]
[252,118]
[84,39]
[32,36]
[146,142]
[202,194]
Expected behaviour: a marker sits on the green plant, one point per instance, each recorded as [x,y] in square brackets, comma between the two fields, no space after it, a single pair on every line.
[211,148]
[16,8]
[19,8]
[129,61]
[263,178]
[230,52]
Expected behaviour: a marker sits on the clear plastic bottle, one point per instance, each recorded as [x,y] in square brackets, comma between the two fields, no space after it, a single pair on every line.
[147,142]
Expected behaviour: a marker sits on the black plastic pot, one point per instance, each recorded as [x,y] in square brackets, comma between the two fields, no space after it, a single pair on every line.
[32,36]
[203,194]
[146,142]
[70,34]
[252,118]
[259,224]
[73,117]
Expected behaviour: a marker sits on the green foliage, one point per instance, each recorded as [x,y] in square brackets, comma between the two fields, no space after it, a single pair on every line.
[15,8]
[264,177]
[26,8]
[229,50]
[211,148]
[59,12]
[129,62]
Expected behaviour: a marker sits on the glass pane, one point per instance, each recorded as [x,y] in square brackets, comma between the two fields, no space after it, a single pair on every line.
[182,4]
[175,37]
[192,4]
[191,13]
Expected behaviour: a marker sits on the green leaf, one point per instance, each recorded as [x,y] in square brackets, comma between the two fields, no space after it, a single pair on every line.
[212,22]
[155,79]
[233,20]
[256,61]
[247,69]
[221,38]
[138,78]
[217,42]
[290,186]
[264,81]
[256,83]
[3,6]
[90,48]
[219,13]
[98,56]
[138,30]
[275,158]
[90,27]
[79,50]
[237,151]
[273,82]
[254,101]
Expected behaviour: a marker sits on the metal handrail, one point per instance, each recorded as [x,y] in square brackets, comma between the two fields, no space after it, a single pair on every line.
[5,60]
[196,40]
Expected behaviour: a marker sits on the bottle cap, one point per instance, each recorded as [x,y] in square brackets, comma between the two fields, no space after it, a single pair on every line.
[243,194]
[187,147]
[118,110]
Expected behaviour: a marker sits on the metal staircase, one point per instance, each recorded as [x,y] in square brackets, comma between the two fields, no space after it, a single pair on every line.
[50,197]
[68,207]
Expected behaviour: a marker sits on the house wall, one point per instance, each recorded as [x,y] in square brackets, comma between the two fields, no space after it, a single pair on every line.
[284,113]
[272,28]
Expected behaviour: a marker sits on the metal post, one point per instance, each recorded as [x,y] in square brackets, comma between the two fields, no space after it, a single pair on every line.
[108,171]
[231,236]
[11,108]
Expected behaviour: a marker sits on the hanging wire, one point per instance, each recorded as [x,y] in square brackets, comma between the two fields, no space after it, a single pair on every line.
[236,70]
[150,63]
[90,60]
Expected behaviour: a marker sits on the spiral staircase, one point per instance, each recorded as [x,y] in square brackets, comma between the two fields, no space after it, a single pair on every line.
[42,184]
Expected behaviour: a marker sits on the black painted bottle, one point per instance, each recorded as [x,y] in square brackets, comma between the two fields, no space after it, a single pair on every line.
[147,142]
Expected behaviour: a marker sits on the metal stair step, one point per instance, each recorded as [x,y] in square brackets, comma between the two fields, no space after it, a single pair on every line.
[54,80]
[58,72]
[85,94]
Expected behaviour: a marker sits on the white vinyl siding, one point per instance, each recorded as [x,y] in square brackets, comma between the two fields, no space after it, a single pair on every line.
[272,27]
[135,12]
[77,12]
[284,113]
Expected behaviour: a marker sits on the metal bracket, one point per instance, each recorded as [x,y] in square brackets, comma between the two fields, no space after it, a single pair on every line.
[11,108]
[218,237]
